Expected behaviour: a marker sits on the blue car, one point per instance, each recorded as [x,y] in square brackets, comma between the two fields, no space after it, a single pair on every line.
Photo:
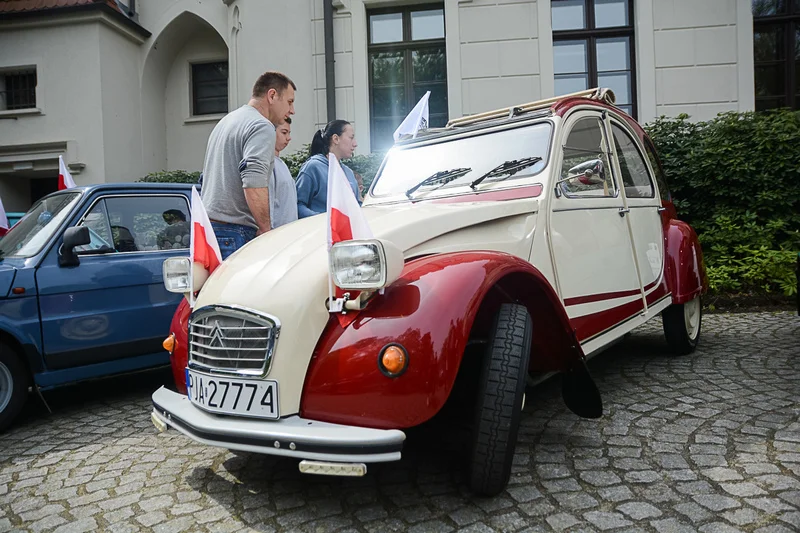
[81,288]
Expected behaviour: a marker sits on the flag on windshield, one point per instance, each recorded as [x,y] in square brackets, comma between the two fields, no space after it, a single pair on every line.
[204,248]
[415,121]
[65,180]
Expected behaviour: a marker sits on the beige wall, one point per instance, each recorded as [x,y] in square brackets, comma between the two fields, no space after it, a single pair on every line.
[187,135]
[119,79]
[67,60]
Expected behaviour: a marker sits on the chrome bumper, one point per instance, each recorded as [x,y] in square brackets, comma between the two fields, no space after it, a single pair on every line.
[289,437]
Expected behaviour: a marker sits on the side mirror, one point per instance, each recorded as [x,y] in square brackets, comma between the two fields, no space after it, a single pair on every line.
[592,172]
[74,236]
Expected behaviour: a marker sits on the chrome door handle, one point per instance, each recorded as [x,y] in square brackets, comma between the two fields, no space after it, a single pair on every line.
[623,210]
[661,209]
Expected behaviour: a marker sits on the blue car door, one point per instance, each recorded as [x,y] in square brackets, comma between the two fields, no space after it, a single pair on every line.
[113,306]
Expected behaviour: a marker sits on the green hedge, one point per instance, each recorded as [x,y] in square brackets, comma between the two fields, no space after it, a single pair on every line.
[366,165]
[736,180]
[172,176]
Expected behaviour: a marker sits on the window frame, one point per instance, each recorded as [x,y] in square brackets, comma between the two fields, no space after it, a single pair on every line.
[590,34]
[193,92]
[104,197]
[788,20]
[609,163]
[20,70]
[632,138]
[407,46]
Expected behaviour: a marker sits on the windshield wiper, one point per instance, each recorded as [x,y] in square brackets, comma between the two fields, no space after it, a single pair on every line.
[509,168]
[441,178]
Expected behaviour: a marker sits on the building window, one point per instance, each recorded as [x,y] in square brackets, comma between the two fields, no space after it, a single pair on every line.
[776,53]
[17,89]
[210,88]
[593,46]
[406,58]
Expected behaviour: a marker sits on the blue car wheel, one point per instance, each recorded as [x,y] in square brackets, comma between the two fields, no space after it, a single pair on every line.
[13,386]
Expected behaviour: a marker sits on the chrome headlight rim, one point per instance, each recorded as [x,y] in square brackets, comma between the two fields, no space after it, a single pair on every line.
[363,286]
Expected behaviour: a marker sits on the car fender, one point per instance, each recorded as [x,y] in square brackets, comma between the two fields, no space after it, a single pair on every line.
[430,310]
[685,269]
[179,358]
[24,335]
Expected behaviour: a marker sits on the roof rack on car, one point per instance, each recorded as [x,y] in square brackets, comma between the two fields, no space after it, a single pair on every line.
[603,95]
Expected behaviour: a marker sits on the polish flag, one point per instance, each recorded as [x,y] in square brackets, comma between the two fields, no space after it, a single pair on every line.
[65,180]
[345,221]
[3,220]
[204,248]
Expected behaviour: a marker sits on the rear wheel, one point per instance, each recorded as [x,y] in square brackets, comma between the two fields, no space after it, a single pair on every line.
[501,391]
[682,325]
[13,386]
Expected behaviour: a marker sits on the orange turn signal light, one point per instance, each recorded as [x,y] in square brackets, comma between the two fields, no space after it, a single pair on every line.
[393,360]
[169,343]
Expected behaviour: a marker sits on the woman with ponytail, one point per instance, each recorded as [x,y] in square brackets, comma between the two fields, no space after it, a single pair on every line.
[338,138]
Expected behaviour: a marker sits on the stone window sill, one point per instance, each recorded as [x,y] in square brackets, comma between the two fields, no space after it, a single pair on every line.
[200,119]
[14,113]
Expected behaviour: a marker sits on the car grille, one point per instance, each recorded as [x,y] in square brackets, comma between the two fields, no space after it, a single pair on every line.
[231,340]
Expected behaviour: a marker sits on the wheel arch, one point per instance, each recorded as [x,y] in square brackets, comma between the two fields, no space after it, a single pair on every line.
[435,309]
[685,268]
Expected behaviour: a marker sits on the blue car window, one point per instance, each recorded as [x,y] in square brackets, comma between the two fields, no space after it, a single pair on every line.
[149,223]
[99,231]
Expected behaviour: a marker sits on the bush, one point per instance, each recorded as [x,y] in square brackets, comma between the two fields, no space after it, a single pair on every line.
[172,176]
[736,180]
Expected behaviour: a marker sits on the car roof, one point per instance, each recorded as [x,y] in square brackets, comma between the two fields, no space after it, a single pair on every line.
[522,113]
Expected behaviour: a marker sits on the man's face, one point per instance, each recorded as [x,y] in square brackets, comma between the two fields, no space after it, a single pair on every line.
[283,136]
[281,105]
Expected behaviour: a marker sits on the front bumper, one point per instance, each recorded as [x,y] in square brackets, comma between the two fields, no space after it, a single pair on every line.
[289,437]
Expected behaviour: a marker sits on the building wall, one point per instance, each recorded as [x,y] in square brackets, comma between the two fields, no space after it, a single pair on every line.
[701,58]
[499,49]
[67,60]
[119,79]
[186,135]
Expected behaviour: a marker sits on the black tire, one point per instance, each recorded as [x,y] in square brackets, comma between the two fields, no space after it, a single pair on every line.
[681,333]
[11,367]
[499,402]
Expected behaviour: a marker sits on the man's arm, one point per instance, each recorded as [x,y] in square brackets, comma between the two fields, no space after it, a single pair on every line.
[258,202]
[258,155]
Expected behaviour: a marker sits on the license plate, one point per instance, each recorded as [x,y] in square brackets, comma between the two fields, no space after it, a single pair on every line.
[233,396]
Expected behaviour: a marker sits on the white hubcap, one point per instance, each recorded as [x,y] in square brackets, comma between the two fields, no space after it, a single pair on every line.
[691,317]
[6,387]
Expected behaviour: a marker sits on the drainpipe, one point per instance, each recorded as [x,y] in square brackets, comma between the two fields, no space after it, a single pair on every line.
[330,78]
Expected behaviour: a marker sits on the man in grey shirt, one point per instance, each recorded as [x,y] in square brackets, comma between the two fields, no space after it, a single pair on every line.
[239,161]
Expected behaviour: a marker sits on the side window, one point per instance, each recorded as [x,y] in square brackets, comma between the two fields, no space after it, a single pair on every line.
[141,223]
[635,177]
[655,163]
[585,169]
[99,232]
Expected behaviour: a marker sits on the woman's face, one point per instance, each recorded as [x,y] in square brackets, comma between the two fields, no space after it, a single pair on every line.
[345,145]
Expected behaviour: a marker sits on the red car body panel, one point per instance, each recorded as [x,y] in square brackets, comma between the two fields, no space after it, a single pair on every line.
[179,357]
[430,310]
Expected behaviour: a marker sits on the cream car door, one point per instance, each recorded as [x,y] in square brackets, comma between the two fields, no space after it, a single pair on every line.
[589,234]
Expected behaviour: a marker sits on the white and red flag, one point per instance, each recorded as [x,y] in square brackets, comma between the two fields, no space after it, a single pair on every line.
[204,248]
[3,220]
[345,222]
[65,180]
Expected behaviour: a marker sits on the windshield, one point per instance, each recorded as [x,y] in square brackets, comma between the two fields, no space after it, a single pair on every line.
[472,158]
[30,234]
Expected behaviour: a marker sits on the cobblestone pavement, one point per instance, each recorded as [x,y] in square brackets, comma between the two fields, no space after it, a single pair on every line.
[708,442]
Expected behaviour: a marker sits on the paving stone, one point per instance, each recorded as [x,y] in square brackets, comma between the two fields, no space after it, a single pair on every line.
[639,510]
[605,520]
[742,489]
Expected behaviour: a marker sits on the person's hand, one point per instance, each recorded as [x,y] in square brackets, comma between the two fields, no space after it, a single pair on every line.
[261,231]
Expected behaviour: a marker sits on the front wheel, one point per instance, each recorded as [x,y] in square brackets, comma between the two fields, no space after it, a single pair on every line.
[501,393]
[682,325]
[13,386]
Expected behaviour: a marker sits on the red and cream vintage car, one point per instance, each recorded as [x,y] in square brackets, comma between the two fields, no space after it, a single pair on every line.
[509,246]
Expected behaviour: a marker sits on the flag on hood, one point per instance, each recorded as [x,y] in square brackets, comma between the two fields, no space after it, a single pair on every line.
[3,220]
[345,222]
[65,180]
[204,248]
[415,121]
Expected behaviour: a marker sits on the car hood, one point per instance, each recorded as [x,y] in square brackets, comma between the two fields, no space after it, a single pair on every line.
[284,272]
[7,274]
